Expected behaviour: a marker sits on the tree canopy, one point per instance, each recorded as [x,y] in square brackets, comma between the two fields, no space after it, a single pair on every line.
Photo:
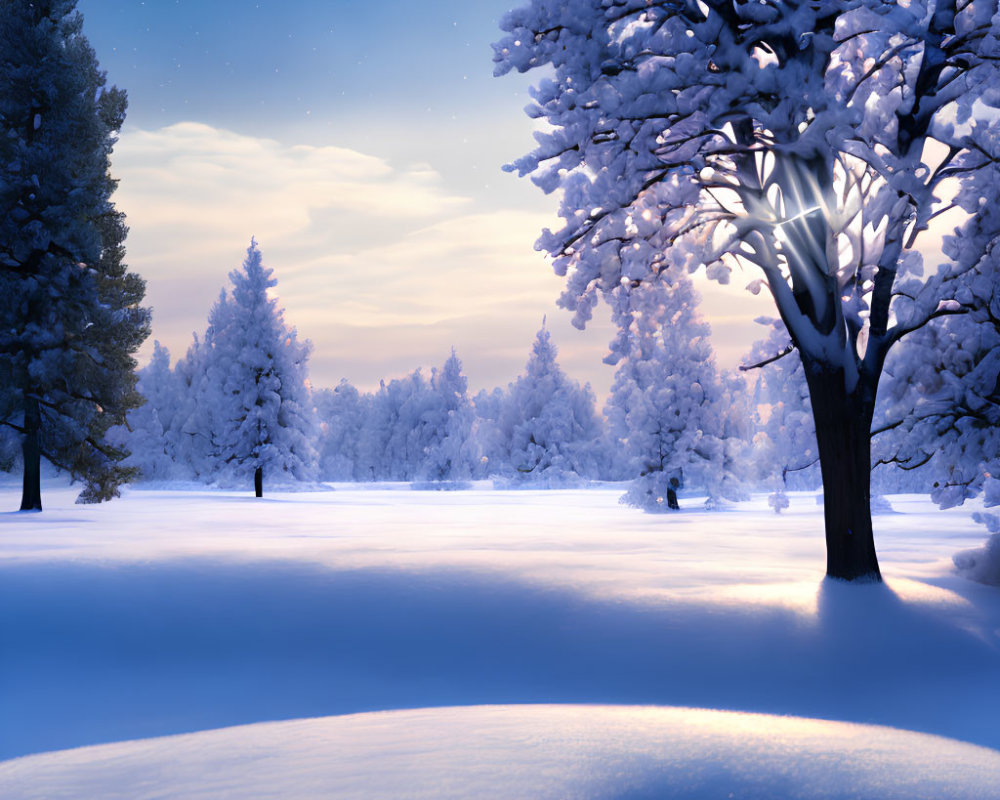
[808,141]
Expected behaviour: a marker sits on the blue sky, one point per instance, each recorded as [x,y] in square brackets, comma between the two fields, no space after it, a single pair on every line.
[361,144]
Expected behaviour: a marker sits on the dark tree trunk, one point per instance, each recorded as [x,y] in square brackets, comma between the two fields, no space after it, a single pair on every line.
[843,434]
[258,482]
[31,493]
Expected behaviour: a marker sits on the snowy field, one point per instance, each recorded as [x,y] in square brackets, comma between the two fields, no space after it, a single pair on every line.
[542,613]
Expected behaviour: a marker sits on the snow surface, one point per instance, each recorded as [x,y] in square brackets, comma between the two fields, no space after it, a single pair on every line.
[171,612]
[530,752]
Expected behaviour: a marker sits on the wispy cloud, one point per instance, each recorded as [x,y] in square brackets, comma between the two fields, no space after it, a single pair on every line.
[381,266]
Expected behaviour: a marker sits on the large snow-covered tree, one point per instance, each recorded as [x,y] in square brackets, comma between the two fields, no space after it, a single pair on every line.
[254,383]
[70,311]
[666,402]
[806,141]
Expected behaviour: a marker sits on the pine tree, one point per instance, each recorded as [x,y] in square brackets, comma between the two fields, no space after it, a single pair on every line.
[550,430]
[150,437]
[666,403]
[786,446]
[449,454]
[253,384]
[341,413]
[70,311]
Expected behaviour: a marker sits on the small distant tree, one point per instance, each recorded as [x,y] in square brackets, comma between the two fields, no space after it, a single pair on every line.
[149,436]
[548,425]
[398,428]
[449,454]
[253,388]
[341,413]
[70,311]
[805,140]
[786,446]
[666,402]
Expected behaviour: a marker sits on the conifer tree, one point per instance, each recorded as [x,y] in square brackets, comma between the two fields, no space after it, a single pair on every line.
[341,413]
[548,424]
[666,402]
[253,385]
[70,311]
[448,456]
[150,436]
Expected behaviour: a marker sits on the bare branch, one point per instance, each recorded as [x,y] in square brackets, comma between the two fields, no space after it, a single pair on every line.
[766,361]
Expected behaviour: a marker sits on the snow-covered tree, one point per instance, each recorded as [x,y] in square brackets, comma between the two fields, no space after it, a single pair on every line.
[399,428]
[69,309]
[666,402]
[341,413]
[786,445]
[253,397]
[548,426]
[944,402]
[149,436]
[450,453]
[806,140]
[486,435]
[190,424]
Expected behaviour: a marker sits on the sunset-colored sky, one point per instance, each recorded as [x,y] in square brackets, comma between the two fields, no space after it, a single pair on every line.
[362,145]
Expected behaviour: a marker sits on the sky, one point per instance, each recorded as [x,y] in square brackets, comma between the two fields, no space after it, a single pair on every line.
[361,145]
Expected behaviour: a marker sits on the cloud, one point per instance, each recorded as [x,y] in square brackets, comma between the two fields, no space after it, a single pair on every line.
[382,267]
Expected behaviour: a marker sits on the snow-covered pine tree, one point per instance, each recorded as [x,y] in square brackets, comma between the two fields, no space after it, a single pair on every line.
[254,391]
[341,413]
[69,309]
[548,425]
[190,424]
[786,447]
[395,431]
[150,437]
[486,436]
[666,402]
[807,140]
[449,455]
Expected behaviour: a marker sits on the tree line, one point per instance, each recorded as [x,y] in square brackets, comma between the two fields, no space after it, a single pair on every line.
[814,144]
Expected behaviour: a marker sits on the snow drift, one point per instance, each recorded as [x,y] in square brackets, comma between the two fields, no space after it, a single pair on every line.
[536,752]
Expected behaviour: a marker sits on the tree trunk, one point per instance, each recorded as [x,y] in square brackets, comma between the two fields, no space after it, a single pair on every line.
[843,434]
[31,493]
[258,482]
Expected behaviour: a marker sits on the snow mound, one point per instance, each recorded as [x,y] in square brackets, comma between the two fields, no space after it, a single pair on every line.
[981,564]
[534,752]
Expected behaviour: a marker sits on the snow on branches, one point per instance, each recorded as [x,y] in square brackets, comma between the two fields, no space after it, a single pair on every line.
[807,140]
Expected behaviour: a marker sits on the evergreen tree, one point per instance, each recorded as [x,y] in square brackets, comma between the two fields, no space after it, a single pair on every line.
[150,436]
[69,312]
[786,446]
[253,385]
[548,425]
[341,413]
[667,403]
[449,454]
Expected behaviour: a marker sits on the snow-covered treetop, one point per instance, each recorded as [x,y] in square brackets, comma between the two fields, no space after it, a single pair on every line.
[785,134]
